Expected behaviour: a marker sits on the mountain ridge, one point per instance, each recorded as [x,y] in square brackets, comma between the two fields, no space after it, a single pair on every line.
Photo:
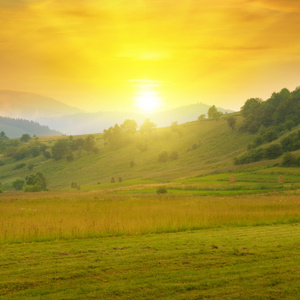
[70,120]
[12,104]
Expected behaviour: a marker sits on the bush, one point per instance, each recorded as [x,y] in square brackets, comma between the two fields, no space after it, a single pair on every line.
[70,157]
[174,155]
[161,190]
[47,154]
[163,156]
[33,188]
[142,147]
[289,159]
[18,184]
[37,180]
[19,166]
[273,151]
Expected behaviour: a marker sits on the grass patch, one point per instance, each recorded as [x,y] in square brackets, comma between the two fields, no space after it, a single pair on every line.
[86,214]
[225,263]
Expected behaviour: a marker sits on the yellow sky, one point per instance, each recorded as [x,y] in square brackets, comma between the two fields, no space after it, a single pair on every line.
[104,54]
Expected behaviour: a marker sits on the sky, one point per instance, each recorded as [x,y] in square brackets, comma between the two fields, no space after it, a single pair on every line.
[134,55]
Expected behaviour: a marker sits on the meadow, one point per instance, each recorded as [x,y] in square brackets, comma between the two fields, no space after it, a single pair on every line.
[48,216]
[100,244]
[207,237]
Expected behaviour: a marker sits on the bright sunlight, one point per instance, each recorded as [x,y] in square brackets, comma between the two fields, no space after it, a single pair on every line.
[147,97]
[148,101]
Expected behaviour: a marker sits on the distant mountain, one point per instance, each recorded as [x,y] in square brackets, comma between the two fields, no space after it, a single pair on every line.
[71,120]
[31,106]
[183,114]
[14,128]
[84,123]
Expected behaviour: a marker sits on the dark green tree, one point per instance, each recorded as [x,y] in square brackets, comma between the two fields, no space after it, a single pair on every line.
[231,122]
[25,138]
[129,127]
[61,149]
[202,117]
[213,113]
[37,180]
[147,126]
[251,106]
[18,184]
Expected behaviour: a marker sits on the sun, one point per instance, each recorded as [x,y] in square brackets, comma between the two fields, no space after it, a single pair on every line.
[147,100]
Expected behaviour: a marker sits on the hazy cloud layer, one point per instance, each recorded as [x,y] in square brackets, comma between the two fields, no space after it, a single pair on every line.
[217,51]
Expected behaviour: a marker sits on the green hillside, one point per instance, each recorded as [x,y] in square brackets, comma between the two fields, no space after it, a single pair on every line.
[201,147]
[15,128]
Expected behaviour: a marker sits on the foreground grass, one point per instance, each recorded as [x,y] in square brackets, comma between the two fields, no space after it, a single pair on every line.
[38,217]
[260,262]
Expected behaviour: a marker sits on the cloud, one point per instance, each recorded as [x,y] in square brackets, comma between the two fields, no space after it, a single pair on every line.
[279,5]
[98,44]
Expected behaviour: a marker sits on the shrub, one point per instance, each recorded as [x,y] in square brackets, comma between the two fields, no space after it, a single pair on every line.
[289,159]
[18,184]
[174,155]
[19,166]
[61,149]
[33,188]
[21,153]
[36,180]
[273,151]
[25,138]
[142,147]
[161,190]
[47,154]
[163,156]
[70,157]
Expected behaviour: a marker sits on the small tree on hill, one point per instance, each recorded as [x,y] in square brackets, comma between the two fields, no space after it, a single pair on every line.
[231,122]
[213,113]
[18,184]
[61,149]
[147,126]
[201,118]
[25,138]
[36,182]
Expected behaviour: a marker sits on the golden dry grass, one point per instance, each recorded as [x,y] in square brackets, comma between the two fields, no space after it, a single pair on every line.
[28,217]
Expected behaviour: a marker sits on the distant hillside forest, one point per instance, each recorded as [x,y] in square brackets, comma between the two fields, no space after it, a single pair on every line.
[14,128]
[270,120]
[281,110]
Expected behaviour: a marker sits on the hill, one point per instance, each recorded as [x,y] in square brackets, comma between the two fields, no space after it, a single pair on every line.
[161,155]
[192,148]
[71,120]
[85,123]
[14,128]
[31,106]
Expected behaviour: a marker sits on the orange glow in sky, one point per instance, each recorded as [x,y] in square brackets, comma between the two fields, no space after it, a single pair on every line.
[96,54]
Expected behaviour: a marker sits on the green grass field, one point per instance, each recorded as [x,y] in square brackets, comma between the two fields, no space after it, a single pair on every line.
[208,237]
[260,262]
[99,244]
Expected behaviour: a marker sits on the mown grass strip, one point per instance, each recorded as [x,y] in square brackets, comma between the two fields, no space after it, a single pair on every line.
[245,263]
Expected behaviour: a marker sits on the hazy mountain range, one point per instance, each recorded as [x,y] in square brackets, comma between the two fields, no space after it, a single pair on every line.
[71,120]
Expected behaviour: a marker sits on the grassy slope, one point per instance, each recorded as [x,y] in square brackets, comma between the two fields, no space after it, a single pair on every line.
[237,263]
[216,145]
